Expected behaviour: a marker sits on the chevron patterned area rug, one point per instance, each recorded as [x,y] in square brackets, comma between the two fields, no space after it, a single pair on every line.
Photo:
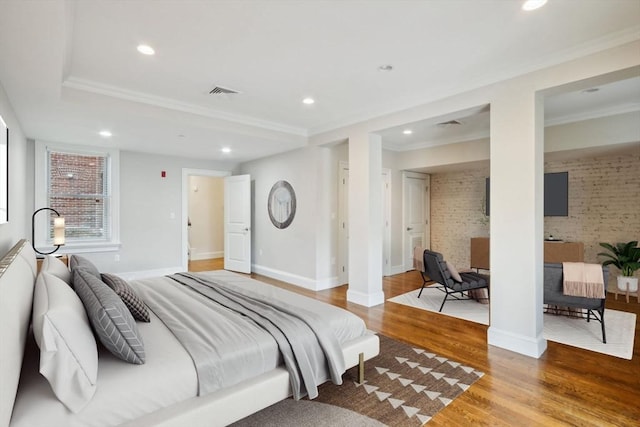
[404,386]
[576,332]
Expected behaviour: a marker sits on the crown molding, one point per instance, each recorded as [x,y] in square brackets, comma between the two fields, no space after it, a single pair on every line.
[144,98]
[437,142]
[603,112]
[609,41]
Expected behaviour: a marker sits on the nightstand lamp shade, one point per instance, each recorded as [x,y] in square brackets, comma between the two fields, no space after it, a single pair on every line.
[58,231]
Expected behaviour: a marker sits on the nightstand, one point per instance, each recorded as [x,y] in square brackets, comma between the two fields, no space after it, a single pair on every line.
[62,258]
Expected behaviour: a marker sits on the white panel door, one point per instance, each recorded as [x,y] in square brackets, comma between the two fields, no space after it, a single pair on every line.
[343,231]
[237,223]
[415,215]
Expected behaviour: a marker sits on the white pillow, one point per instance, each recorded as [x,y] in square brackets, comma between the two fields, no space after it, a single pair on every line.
[454,273]
[68,350]
[55,266]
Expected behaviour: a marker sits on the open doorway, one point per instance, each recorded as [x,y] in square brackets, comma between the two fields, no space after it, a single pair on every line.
[202,215]
[205,218]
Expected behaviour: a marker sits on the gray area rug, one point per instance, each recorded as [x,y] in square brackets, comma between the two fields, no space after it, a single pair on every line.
[576,332]
[306,413]
[404,386]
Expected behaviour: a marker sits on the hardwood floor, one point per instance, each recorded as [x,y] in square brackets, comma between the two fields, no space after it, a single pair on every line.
[567,386]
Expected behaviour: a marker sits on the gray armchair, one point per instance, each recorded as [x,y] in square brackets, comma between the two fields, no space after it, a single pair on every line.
[554,296]
[436,269]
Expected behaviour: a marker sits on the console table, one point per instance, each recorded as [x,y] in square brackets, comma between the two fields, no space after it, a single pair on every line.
[554,251]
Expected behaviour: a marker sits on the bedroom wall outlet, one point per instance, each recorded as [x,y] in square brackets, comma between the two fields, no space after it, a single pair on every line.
[116,257]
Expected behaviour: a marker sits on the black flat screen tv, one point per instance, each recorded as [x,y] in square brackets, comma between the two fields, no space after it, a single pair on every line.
[556,194]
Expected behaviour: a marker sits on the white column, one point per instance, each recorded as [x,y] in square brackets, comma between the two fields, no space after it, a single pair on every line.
[365,220]
[517,227]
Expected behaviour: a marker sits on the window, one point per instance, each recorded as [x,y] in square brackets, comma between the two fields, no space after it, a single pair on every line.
[81,184]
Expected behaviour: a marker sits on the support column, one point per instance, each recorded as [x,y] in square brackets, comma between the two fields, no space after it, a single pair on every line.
[517,226]
[365,220]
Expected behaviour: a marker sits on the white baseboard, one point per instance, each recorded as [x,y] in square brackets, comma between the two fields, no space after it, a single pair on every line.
[150,273]
[397,269]
[294,279]
[368,300]
[206,255]
[529,346]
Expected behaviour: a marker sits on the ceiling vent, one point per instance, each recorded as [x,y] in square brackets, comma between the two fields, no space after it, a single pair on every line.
[219,90]
[449,123]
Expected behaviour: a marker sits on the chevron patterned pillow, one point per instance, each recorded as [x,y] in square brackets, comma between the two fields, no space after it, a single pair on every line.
[111,319]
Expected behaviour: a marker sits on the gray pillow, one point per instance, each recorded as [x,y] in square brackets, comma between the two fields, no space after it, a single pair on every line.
[454,272]
[111,319]
[76,262]
[128,296]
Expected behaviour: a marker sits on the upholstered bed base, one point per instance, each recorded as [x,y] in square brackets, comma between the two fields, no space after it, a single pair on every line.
[234,403]
[17,280]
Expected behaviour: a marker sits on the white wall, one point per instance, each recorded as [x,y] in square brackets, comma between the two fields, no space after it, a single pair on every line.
[206,212]
[516,119]
[324,171]
[151,223]
[20,181]
[300,253]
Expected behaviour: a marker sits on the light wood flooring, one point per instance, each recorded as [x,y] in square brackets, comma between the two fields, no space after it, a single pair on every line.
[567,386]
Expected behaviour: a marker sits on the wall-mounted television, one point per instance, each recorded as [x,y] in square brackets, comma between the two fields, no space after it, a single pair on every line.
[556,194]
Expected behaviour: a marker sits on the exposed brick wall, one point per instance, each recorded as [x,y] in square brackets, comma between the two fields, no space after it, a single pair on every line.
[604,202]
[457,213]
[604,206]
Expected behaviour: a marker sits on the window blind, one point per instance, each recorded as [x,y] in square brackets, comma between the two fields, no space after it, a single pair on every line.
[78,189]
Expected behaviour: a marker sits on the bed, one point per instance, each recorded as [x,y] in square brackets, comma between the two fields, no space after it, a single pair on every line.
[168,389]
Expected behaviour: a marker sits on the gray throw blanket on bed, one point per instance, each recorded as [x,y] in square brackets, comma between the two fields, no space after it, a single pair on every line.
[307,346]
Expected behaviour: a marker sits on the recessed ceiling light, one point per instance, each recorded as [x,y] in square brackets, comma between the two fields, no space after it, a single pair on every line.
[533,4]
[385,67]
[226,150]
[105,133]
[308,101]
[145,49]
[407,131]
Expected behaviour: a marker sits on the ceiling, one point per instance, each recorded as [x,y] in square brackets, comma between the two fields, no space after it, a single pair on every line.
[71,69]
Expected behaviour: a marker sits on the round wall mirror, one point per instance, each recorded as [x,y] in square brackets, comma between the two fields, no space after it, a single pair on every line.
[281,204]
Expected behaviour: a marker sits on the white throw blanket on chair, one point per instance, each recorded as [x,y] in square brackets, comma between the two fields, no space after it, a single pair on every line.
[582,280]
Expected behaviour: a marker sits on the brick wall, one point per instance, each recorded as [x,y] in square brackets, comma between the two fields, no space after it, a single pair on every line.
[457,213]
[604,206]
[604,202]
[79,176]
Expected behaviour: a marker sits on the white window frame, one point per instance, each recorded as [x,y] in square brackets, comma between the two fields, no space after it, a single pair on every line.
[41,182]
